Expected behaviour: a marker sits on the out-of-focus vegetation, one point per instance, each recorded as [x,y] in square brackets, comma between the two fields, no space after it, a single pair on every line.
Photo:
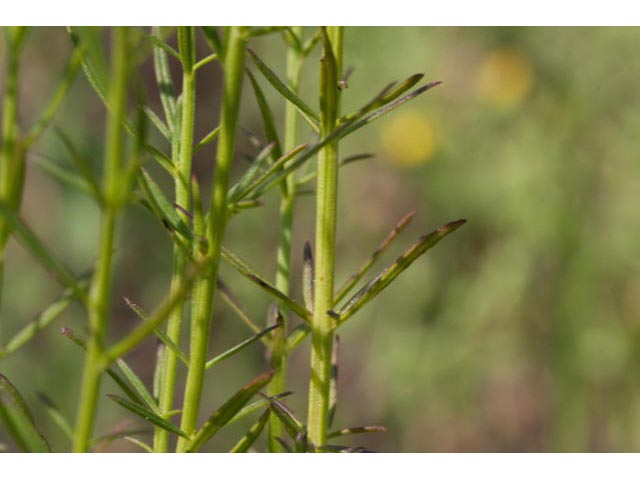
[523,334]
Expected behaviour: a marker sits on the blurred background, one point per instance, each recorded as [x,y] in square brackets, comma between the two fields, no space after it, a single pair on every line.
[519,332]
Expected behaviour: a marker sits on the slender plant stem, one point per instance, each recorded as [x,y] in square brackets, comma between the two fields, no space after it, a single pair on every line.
[279,354]
[100,292]
[202,302]
[11,155]
[186,42]
[322,330]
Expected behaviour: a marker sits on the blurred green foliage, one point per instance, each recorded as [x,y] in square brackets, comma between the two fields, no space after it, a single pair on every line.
[521,333]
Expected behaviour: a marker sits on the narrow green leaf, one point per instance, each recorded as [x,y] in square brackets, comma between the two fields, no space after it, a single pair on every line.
[38,250]
[291,424]
[307,277]
[207,139]
[297,336]
[148,415]
[261,31]
[115,376]
[312,118]
[257,405]
[351,281]
[59,94]
[227,411]
[379,283]
[164,209]
[158,332]
[356,430]
[205,61]
[341,163]
[64,176]
[248,272]
[104,440]
[94,63]
[165,83]
[268,120]
[285,444]
[163,160]
[158,123]
[56,415]
[82,165]
[159,43]
[272,171]
[42,321]
[213,40]
[241,188]
[18,420]
[231,300]
[309,45]
[137,383]
[252,435]
[241,346]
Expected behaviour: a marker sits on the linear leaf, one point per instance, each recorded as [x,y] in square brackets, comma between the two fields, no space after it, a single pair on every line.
[164,208]
[115,376]
[18,420]
[42,321]
[157,42]
[56,415]
[64,176]
[82,165]
[58,95]
[342,162]
[104,440]
[312,118]
[240,188]
[158,332]
[38,250]
[297,336]
[268,121]
[94,63]
[165,83]
[148,415]
[248,272]
[137,383]
[241,346]
[288,419]
[157,122]
[235,305]
[163,160]
[228,410]
[380,282]
[213,40]
[356,430]
[257,405]
[351,281]
[252,435]
[207,139]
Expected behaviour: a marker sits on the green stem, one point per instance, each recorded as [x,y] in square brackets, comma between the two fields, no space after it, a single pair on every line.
[279,354]
[186,41]
[100,293]
[322,330]
[202,302]
[11,155]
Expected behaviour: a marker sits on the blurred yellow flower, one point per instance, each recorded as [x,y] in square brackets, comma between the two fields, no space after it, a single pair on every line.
[505,77]
[409,139]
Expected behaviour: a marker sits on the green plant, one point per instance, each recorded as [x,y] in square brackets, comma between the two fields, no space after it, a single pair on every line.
[197,234]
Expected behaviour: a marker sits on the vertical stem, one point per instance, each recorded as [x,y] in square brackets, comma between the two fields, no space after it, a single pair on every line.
[202,302]
[100,292]
[11,155]
[322,330]
[279,353]
[186,42]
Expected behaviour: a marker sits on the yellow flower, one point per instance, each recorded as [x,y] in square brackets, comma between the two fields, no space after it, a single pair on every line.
[505,78]
[409,139]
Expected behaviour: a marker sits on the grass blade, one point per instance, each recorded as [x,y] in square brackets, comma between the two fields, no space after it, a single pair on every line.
[18,420]
[351,281]
[379,283]
[312,118]
[147,415]
[356,431]
[247,272]
[228,410]
[56,415]
[252,435]
[241,346]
